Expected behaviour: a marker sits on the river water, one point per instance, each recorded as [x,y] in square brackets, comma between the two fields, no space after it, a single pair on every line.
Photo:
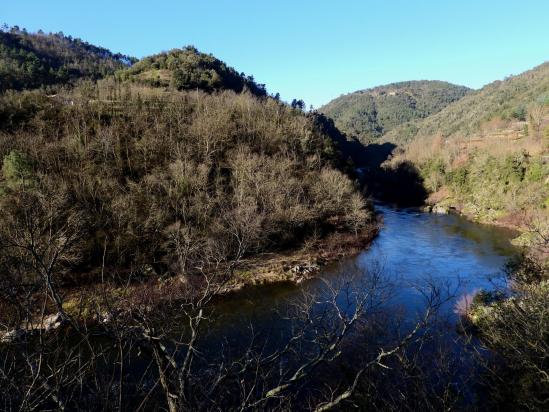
[415,253]
[413,249]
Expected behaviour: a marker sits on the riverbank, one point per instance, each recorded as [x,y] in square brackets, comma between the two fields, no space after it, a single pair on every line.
[303,264]
[448,249]
[441,202]
[97,303]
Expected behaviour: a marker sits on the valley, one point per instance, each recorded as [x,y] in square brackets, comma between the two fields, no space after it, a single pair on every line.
[174,236]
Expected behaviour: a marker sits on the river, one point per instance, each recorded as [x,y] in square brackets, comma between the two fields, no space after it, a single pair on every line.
[413,253]
[413,249]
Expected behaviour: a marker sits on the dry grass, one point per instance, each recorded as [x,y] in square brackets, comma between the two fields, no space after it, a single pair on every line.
[496,142]
[438,196]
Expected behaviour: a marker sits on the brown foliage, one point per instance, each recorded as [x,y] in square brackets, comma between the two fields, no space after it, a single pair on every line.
[150,173]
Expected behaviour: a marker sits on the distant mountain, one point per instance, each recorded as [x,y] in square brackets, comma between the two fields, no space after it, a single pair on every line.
[509,101]
[369,114]
[189,69]
[33,60]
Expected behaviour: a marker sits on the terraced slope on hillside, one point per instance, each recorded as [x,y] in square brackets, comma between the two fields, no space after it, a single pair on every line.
[498,105]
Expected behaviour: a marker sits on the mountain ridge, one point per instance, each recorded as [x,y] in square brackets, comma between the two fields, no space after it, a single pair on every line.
[368,114]
[34,60]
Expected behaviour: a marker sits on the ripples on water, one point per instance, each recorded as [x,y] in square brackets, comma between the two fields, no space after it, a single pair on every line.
[412,249]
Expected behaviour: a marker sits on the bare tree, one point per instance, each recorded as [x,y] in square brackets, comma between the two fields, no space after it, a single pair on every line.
[536,112]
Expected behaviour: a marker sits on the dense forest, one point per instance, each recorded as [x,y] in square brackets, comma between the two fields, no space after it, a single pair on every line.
[369,114]
[188,69]
[227,172]
[32,60]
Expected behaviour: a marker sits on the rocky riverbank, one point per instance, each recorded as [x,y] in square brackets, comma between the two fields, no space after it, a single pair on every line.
[301,265]
[442,202]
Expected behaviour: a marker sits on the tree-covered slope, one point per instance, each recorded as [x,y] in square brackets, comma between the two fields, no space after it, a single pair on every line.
[512,99]
[486,154]
[199,151]
[369,114]
[189,69]
[32,60]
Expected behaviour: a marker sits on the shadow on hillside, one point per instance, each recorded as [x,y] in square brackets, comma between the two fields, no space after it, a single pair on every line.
[400,184]
[373,155]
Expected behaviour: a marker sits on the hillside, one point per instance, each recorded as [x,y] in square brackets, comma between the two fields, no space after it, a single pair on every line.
[369,114]
[32,60]
[502,103]
[486,154]
[165,185]
[146,165]
[189,69]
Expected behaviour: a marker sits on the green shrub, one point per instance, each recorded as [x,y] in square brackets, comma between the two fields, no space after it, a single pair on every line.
[513,168]
[17,169]
[458,179]
[433,172]
[536,171]
[519,113]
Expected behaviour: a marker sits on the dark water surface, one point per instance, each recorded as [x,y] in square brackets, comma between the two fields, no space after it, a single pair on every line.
[413,249]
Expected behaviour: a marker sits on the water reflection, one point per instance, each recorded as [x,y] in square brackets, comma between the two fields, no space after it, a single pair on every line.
[415,252]
[412,249]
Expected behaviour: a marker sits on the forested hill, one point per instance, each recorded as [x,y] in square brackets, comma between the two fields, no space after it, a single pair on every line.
[513,100]
[486,154]
[369,114]
[189,69]
[178,151]
[32,60]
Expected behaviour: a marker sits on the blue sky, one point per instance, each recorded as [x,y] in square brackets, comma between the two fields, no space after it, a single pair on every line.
[315,50]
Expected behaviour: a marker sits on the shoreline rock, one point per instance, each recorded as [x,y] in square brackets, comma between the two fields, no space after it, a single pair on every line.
[48,324]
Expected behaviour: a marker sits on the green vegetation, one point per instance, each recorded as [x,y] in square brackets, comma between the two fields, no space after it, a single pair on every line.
[33,60]
[486,153]
[369,114]
[489,187]
[483,150]
[16,169]
[188,69]
[516,98]
[515,324]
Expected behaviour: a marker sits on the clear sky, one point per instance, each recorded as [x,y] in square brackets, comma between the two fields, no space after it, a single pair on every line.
[315,50]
